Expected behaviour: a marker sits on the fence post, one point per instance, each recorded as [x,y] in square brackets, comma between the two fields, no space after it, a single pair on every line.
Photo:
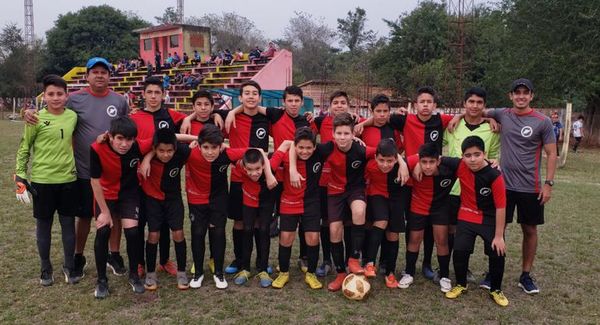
[567,136]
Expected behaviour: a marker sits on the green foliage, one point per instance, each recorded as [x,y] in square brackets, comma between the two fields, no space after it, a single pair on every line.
[230,31]
[19,64]
[170,16]
[352,30]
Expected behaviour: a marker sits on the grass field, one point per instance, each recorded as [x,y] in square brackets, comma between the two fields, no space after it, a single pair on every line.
[566,268]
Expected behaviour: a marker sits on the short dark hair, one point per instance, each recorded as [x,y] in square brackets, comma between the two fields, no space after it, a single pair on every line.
[472,141]
[164,136]
[380,99]
[476,91]
[211,134]
[153,81]
[203,94]
[250,83]
[429,150]
[427,90]
[124,126]
[54,80]
[253,156]
[580,117]
[387,148]
[338,93]
[305,133]
[343,119]
[293,90]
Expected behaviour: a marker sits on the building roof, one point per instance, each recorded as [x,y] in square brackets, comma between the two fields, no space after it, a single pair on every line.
[169,27]
[319,82]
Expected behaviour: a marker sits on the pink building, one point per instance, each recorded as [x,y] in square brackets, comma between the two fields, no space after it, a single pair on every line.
[178,38]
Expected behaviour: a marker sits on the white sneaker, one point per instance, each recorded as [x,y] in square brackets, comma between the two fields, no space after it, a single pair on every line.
[196,282]
[405,281]
[445,284]
[220,282]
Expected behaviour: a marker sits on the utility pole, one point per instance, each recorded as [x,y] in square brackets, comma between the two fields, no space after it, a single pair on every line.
[180,11]
[29,35]
[460,14]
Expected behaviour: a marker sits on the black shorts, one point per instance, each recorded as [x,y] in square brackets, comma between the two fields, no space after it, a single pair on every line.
[85,199]
[467,232]
[529,209]
[159,212]
[310,222]
[260,217]
[338,206]
[453,208]
[128,208]
[235,201]
[207,214]
[51,198]
[419,222]
[390,209]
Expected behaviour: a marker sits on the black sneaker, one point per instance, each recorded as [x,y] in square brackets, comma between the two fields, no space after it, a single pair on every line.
[116,264]
[80,263]
[68,276]
[527,283]
[46,279]
[101,291]
[136,284]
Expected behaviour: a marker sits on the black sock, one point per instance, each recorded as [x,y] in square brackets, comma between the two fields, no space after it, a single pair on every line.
[284,258]
[325,244]
[198,230]
[141,239]
[257,243]
[427,245]
[181,255]
[151,257]
[67,226]
[374,241]
[347,243]
[133,249]
[392,256]
[461,265]
[302,241]
[384,250]
[337,252]
[264,246]
[238,240]
[210,243]
[450,244]
[218,237]
[358,237]
[43,233]
[164,244]
[496,265]
[312,253]
[101,250]
[444,262]
[411,262]
[247,248]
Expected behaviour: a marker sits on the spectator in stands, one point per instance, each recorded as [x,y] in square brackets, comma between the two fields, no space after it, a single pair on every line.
[149,70]
[227,57]
[157,61]
[169,61]
[197,58]
[121,66]
[269,52]
[179,77]
[193,81]
[237,56]
[254,54]
[186,58]
[176,60]
[166,81]
[141,62]
[219,58]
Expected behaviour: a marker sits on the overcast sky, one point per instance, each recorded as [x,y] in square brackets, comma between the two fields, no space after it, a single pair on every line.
[269,16]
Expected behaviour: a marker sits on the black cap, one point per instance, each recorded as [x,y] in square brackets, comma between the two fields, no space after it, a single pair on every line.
[521,82]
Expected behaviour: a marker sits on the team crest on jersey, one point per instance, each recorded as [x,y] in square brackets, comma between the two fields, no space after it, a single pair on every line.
[134,162]
[174,172]
[163,124]
[261,133]
[316,167]
[445,182]
[526,131]
[46,123]
[223,168]
[434,135]
[111,111]
[485,191]
[355,164]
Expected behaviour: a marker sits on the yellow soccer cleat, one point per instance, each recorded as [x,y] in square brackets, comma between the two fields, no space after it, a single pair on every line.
[499,298]
[455,292]
[282,279]
[312,281]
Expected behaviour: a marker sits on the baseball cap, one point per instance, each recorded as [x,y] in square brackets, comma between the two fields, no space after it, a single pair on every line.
[97,60]
[521,82]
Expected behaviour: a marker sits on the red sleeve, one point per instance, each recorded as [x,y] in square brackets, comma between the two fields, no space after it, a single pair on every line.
[177,116]
[314,127]
[277,159]
[412,161]
[370,152]
[145,146]
[235,154]
[499,192]
[446,119]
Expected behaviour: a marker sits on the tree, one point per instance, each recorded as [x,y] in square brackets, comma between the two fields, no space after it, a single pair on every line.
[352,30]
[170,16]
[92,31]
[230,31]
[19,63]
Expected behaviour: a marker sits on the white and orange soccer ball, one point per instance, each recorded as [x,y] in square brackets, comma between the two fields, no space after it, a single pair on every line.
[356,287]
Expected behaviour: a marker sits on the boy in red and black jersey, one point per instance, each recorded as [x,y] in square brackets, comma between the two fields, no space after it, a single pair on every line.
[384,208]
[430,198]
[113,170]
[482,213]
[204,113]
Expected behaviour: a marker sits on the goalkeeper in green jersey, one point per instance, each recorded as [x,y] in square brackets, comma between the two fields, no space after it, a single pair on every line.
[53,176]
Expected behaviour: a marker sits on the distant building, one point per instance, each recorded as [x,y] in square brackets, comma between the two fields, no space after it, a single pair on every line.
[172,38]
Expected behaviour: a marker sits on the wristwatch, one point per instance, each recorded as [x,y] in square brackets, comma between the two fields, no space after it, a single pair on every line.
[551,183]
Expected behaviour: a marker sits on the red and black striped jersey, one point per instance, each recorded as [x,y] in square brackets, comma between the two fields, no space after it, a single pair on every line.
[347,168]
[417,132]
[250,132]
[283,126]
[164,182]
[148,122]
[380,183]
[255,194]
[372,135]
[430,195]
[117,173]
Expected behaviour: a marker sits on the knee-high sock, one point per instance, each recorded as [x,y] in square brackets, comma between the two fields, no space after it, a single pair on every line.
[264,245]
[151,256]
[43,233]
[218,238]
[302,241]
[358,238]
[247,248]
[392,256]
[312,253]
[67,225]
[101,250]
[325,244]
[411,261]
[347,242]
[374,240]
[165,243]
[496,265]
[461,265]
[428,245]
[238,244]
[444,262]
[133,249]
[181,254]
[337,252]
[284,258]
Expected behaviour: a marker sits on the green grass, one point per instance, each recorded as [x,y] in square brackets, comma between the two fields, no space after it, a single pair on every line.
[566,269]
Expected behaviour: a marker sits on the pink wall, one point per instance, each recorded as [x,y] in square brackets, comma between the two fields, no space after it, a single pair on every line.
[163,47]
[277,74]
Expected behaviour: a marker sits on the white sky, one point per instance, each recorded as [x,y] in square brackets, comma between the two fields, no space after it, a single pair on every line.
[269,16]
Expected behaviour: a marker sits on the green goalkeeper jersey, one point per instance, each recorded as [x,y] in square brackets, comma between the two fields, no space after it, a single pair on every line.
[50,143]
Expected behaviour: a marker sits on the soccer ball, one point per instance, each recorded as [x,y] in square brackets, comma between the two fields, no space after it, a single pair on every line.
[355,287]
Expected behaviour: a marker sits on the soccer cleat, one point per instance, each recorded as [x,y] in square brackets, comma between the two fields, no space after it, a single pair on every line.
[46,278]
[241,277]
[101,290]
[141,271]
[282,279]
[527,283]
[499,298]
[193,269]
[324,269]
[78,270]
[169,267]
[391,282]
[211,265]
[445,284]
[405,281]
[436,276]
[182,281]
[220,281]
[151,282]
[136,284]
[354,266]
[264,279]
[303,264]
[427,272]
[116,264]
[336,285]
[455,292]
[370,270]
[196,281]
[312,281]
[486,283]
[232,268]
[68,276]
[269,269]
